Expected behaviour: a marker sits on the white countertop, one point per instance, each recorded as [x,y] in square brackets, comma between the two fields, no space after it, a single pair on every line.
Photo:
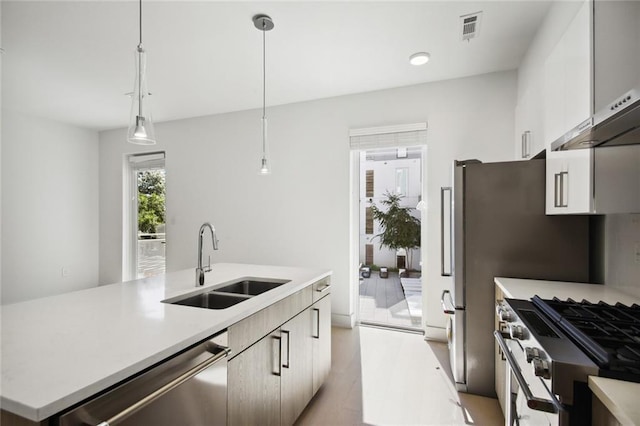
[621,398]
[516,288]
[59,350]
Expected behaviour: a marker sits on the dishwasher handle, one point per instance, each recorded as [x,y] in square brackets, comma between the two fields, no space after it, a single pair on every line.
[166,388]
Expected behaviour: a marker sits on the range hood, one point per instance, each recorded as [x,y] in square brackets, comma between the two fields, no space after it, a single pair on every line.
[617,124]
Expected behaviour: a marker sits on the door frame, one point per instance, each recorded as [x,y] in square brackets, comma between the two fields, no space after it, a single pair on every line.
[133,163]
[354,229]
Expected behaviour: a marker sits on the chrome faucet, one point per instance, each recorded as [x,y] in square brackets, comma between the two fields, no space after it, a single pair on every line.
[200,270]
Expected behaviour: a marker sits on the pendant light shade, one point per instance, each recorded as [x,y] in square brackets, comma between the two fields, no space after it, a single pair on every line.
[141,131]
[264,24]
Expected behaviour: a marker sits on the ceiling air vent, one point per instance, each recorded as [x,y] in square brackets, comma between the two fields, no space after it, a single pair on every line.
[470,25]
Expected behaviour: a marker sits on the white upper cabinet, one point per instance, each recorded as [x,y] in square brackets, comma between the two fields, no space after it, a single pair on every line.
[529,138]
[568,77]
[569,187]
[616,48]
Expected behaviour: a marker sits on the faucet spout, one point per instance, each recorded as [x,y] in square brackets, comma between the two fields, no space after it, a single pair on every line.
[214,240]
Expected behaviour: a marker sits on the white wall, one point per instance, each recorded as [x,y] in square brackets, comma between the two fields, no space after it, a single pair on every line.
[300,214]
[1,160]
[49,207]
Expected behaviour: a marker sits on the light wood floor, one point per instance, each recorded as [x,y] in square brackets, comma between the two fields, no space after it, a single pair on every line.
[384,377]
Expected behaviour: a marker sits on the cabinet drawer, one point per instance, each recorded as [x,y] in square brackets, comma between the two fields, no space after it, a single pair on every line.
[321,288]
[251,329]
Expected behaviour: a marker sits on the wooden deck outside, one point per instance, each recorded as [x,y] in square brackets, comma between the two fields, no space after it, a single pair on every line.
[383,301]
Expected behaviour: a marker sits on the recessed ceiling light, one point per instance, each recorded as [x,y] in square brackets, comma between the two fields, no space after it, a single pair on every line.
[419,58]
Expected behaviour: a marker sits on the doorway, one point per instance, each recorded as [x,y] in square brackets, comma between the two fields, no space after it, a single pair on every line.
[145,242]
[389,237]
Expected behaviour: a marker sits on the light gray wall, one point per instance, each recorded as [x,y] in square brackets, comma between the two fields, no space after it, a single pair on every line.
[49,207]
[300,214]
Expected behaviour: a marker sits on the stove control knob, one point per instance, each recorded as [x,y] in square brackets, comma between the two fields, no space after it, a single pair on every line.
[532,353]
[541,368]
[505,315]
[517,332]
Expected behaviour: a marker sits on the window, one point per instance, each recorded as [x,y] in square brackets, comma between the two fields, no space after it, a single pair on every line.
[402,180]
[368,254]
[146,243]
[369,184]
[368,227]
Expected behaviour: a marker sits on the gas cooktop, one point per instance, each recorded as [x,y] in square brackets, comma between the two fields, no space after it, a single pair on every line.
[608,334]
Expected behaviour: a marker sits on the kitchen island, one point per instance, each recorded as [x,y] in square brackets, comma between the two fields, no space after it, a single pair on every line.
[57,351]
[615,400]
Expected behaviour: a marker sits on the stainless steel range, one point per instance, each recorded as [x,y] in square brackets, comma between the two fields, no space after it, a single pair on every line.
[552,346]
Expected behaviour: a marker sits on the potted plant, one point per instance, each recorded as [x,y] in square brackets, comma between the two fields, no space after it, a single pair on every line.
[400,230]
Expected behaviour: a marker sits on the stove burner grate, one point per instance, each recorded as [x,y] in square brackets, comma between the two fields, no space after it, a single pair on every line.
[609,334]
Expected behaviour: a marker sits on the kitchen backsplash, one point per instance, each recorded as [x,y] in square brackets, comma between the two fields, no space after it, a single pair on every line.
[622,252]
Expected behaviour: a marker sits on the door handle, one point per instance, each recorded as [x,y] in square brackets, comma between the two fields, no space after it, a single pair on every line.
[443,271]
[288,347]
[556,190]
[564,186]
[279,340]
[445,309]
[317,311]
[323,289]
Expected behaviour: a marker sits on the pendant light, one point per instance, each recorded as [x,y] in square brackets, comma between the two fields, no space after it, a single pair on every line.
[141,131]
[264,24]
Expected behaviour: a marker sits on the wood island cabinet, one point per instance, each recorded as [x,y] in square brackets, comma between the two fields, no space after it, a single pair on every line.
[254,384]
[296,381]
[272,379]
[321,311]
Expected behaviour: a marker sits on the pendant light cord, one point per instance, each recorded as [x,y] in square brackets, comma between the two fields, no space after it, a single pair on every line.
[140,22]
[140,64]
[264,69]
[264,90]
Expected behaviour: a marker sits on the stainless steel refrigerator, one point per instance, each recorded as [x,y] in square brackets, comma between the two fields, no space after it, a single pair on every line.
[498,228]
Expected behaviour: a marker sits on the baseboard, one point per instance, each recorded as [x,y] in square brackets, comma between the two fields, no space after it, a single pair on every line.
[436,334]
[343,321]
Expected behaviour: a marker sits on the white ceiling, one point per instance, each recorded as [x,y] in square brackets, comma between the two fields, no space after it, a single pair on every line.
[74,61]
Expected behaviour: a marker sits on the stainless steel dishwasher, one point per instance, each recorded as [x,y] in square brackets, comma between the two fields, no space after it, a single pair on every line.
[187,389]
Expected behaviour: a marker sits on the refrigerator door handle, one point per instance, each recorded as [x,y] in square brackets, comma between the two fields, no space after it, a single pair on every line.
[445,308]
[446,261]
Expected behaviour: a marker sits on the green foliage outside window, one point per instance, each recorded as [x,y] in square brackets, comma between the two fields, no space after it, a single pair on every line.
[400,230]
[151,200]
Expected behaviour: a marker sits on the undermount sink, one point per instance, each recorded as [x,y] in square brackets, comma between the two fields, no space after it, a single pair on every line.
[211,300]
[229,294]
[251,287]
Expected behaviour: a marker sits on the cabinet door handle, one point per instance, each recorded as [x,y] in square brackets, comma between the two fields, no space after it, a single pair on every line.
[279,371]
[522,147]
[288,347]
[564,186]
[317,311]
[527,143]
[556,190]
[323,289]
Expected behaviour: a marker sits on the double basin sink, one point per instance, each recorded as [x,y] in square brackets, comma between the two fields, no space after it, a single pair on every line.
[229,294]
